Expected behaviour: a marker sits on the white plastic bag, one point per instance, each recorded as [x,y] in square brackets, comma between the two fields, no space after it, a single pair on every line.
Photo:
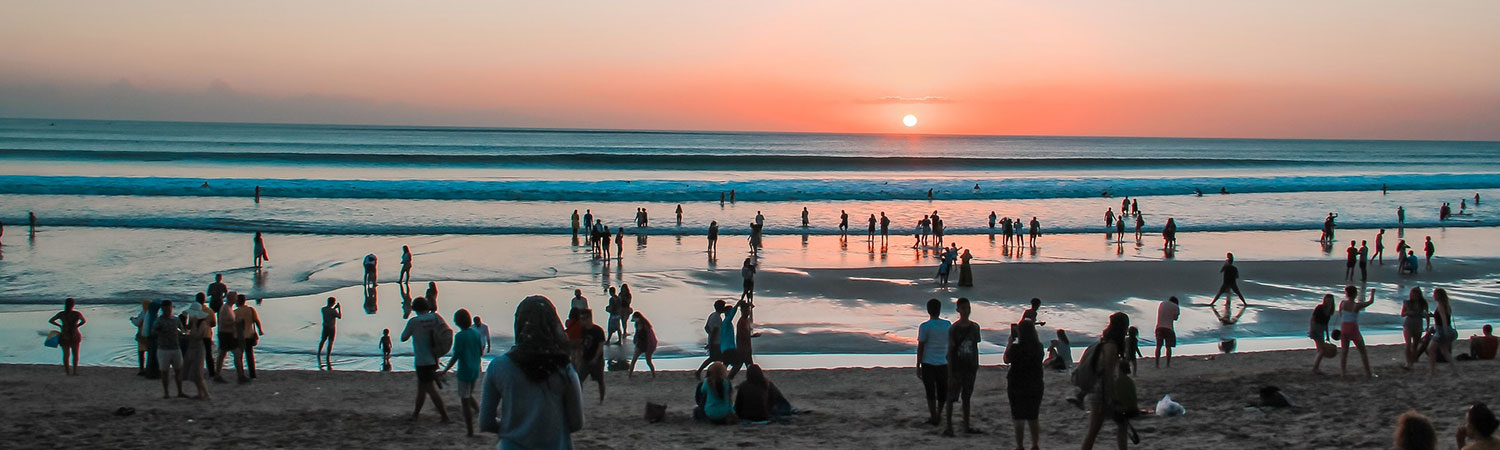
[1168,408]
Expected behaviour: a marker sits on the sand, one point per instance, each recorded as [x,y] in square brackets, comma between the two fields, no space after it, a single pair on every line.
[849,409]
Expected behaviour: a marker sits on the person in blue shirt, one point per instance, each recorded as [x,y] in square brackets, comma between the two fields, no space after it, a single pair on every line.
[531,393]
[728,347]
[467,346]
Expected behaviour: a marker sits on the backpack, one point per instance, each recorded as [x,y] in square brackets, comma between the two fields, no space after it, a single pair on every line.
[442,338]
[1086,375]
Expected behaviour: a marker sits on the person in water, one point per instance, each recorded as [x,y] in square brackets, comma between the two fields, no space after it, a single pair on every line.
[713,236]
[331,313]
[259,244]
[405,276]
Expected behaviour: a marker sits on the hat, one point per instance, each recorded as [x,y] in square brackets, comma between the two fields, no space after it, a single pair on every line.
[196,311]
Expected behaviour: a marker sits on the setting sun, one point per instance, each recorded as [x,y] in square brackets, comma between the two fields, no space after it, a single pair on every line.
[910,120]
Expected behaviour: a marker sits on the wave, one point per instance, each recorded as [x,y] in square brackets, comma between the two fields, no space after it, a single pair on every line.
[956,188]
[642,158]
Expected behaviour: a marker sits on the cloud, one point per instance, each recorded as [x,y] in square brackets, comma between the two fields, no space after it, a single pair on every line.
[907,100]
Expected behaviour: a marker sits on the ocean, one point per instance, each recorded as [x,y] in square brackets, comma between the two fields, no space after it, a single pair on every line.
[132,210]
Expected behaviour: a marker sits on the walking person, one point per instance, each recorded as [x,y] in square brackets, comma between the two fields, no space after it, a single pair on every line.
[963,364]
[747,272]
[467,347]
[405,276]
[420,330]
[1429,249]
[531,394]
[1024,382]
[1106,376]
[68,321]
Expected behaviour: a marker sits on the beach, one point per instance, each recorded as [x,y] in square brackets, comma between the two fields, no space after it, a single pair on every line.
[846,409]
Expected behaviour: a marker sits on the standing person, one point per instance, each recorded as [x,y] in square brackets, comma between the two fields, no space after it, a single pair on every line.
[531,394]
[744,331]
[945,264]
[992,221]
[1167,314]
[1364,261]
[804,217]
[728,345]
[1024,383]
[1401,217]
[385,350]
[467,345]
[142,322]
[873,222]
[965,272]
[588,222]
[200,327]
[963,364]
[31,222]
[679,214]
[431,295]
[1169,233]
[645,343]
[932,359]
[1231,275]
[1379,255]
[611,321]
[1317,330]
[575,226]
[369,264]
[1139,223]
[484,333]
[217,290]
[1109,219]
[1120,228]
[260,250]
[68,321]
[1429,249]
[1353,258]
[1349,311]
[1035,231]
[250,329]
[747,272]
[619,243]
[331,314]
[405,276]
[843,223]
[257,194]
[1107,374]
[622,313]
[229,343]
[168,331]
[885,227]
[713,236]
[760,220]
[1443,335]
[711,328]
[420,330]
[591,351]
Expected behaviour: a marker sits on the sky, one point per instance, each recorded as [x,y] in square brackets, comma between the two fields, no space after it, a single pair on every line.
[1365,69]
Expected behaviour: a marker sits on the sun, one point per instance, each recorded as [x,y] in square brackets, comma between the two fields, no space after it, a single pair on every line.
[910,120]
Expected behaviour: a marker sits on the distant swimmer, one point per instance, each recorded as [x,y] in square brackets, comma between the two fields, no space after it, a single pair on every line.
[260,250]
[976,186]
[1383,188]
[205,185]
[1223,190]
[257,194]
[929,194]
[804,217]
[731,196]
[1198,192]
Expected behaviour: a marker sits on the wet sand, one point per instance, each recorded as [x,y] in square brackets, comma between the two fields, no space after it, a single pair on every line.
[849,409]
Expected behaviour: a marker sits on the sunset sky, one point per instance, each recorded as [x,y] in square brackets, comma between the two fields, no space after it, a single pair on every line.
[1296,69]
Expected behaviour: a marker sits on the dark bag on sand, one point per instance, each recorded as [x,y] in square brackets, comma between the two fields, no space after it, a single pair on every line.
[1086,375]
[655,412]
[1272,397]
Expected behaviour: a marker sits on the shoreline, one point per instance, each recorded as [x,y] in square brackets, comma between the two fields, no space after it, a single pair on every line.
[850,408]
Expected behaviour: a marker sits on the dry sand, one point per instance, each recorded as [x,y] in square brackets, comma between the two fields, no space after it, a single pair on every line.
[850,408]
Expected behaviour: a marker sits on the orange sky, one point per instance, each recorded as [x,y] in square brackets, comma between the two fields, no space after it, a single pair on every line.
[1329,69]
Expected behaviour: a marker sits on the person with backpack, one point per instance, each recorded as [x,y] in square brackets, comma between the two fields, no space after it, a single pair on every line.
[963,364]
[1098,374]
[427,331]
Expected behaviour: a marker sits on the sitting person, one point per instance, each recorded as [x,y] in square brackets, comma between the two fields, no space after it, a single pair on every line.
[758,400]
[1409,263]
[1482,346]
[1478,432]
[1059,354]
[713,396]
[1414,431]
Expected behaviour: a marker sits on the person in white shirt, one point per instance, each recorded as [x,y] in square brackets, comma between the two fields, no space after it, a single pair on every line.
[1166,335]
[932,359]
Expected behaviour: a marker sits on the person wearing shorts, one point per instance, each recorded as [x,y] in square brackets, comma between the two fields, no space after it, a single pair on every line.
[591,351]
[249,327]
[168,333]
[467,346]
[1231,275]
[229,343]
[419,330]
[1166,333]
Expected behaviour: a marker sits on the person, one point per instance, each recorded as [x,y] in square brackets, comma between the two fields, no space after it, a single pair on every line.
[229,343]
[744,331]
[420,330]
[1101,396]
[760,220]
[168,332]
[68,321]
[731,196]
[200,327]
[1443,334]
[385,350]
[754,238]
[1030,314]
[993,218]
[331,313]
[717,406]
[588,218]
[1352,258]
[217,290]
[965,271]
[1328,226]
[757,399]
[885,227]
[1349,311]
[1109,219]
[747,273]
[1401,217]
[1024,381]
[1317,330]
[713,235]
[467,347]
[260,250]
[31,222]
[1409,263]
[804,216]
[369,264]
[1139,223]
[1414,431]
[645,343]
[612,308]
[711,327]
[1379,255]
[1413,325]
[963,364]
[1483,346]
[1167,314]
[843,223]
[431,295]
[484,334]
[619,242]
[249,329]
[257,194]
[531,394]
[405,276]
[873,222]
[1059,352]
[932,359]
[622,313]
[575,226]
[679,214]
[1120,228]
[590,361]
[142,322]
[1035,231]
[945,264]
[1169,233]
[1478,431]
[729,345]
[1428,248]
[1231,273]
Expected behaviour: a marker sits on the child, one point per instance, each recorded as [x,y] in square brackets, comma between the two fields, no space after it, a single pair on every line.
[385,350]
[1133,348]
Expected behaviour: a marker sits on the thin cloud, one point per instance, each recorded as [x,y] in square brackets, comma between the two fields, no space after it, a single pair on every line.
[908,100]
